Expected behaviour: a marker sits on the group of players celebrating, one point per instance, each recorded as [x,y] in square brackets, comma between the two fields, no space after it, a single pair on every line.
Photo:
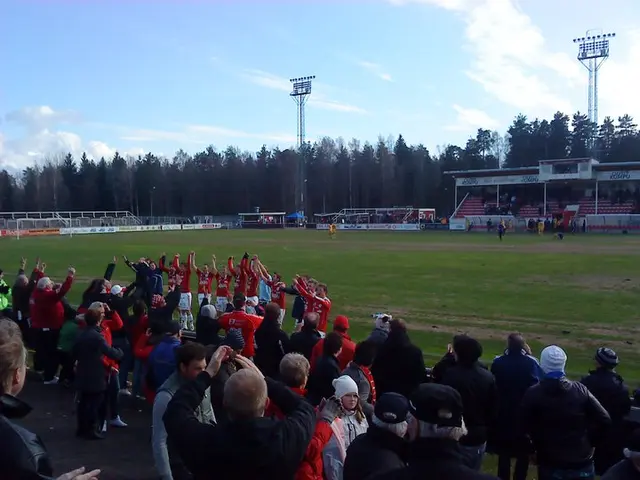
[232,280]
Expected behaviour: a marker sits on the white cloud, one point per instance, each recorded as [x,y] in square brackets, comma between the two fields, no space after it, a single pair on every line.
[42,139]
[377,70]
[318,99]
[469,119]
[511,60]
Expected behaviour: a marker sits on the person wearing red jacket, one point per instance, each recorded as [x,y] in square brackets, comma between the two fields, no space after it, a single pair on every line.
[245,322]
[223,281]
[294,372]
[341,327]
[47,316]
[316,301]
[239,273]
[109,408]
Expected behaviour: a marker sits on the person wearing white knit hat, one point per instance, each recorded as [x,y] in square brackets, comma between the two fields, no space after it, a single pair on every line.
[562,418]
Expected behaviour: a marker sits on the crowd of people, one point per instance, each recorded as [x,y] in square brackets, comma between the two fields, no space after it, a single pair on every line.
[246,400]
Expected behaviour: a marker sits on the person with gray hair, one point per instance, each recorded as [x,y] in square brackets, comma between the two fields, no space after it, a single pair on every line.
[435,426]
[250,445]
[382,447]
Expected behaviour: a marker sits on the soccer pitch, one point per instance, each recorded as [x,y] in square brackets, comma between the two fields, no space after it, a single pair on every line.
[580,293]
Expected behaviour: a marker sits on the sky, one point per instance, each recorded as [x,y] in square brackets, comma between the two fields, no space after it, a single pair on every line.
[135,76]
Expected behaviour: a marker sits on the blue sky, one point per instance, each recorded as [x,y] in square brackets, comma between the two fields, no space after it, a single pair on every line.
[139,76]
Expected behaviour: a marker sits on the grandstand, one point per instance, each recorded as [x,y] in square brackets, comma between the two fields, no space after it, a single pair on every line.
[603,197]
[44,220]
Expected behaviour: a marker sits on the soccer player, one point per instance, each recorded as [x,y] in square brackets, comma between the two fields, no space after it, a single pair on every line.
[239,273]
[253,281]
[277,286]
[540,227]
[223,281]
[205,279]
[171,270]
[243,321]
[332,230]
[184,307]
[501,229]
[317,301]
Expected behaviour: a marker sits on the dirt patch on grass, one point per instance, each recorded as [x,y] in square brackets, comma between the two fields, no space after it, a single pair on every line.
[593,283]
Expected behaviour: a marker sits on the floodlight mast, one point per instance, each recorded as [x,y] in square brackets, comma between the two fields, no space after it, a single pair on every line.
[593,50]
[300,94]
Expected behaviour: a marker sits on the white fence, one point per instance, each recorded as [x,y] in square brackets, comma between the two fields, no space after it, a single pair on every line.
[103,230]
[612,223]
[401,227]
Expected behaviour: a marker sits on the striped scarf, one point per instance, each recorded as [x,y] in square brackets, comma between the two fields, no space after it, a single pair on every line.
[372,383]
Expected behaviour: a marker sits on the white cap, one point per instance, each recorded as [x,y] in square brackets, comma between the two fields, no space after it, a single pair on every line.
[116,289]
[553,359]
[344,385]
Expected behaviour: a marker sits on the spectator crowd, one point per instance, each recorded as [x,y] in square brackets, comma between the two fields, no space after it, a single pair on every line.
[243,399]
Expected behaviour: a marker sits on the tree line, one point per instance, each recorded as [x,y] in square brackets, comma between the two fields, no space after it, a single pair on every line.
[329,175]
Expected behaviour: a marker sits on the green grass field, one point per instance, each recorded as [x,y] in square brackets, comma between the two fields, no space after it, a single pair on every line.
[580,293]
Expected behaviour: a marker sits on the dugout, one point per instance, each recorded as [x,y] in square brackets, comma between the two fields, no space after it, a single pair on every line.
[262,220]
[582,193]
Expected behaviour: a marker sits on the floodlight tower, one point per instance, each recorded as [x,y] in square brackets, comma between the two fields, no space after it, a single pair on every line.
[593,50]
[300,95]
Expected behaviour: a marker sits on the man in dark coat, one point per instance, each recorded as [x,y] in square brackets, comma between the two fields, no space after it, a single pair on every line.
[514,372]
[435,426]
[382,447]
[302,342]
[250,445]
[22,453]
[613,394]
[272,343]
[479,393]
[320,383]
[91,379]
[399,365]
[562,418]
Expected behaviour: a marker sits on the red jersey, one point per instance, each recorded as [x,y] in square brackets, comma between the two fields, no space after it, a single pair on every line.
[171,271]
[185,272]
[205,280]
[321,306]
[240,280]
[247,324]
[253,284]
[224,281]
[277,293]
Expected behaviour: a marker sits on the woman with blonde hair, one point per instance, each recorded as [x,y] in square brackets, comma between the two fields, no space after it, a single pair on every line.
[350,424]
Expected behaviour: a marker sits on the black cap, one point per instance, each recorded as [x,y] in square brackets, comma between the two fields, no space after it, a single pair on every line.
[607,357]
[234,339]
[437,404]
[391,408]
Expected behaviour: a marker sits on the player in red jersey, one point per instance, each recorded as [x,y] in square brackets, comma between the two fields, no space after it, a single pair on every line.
[239,273]
[171,270]
[277,286]
[205,279]
[317,301]
[243,321]
[253,282]
[223,286]
[184,307]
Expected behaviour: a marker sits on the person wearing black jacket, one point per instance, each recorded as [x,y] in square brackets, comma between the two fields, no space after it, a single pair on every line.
[299,304]
[613,394]
[22,453]
[250,446]
[272,343]
[327,369]
[302,342]
[207,326]
[98,289]
[399,365]
[91,381]
[162,308]
[477,388]
[382,447]
[562,418]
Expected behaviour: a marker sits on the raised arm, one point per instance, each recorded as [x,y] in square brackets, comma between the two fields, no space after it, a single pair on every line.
[192,260]
[23,265]
[232,269]
[175,263]
[162,263]
[108,273]
[214,269]
[64,288]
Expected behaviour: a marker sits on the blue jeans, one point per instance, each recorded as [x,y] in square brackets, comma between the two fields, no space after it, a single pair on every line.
[472,456]
[139,371]
[547,473]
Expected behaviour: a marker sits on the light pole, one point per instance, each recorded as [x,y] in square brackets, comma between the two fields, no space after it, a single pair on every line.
[151,190]
[593,50]
[300,93]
